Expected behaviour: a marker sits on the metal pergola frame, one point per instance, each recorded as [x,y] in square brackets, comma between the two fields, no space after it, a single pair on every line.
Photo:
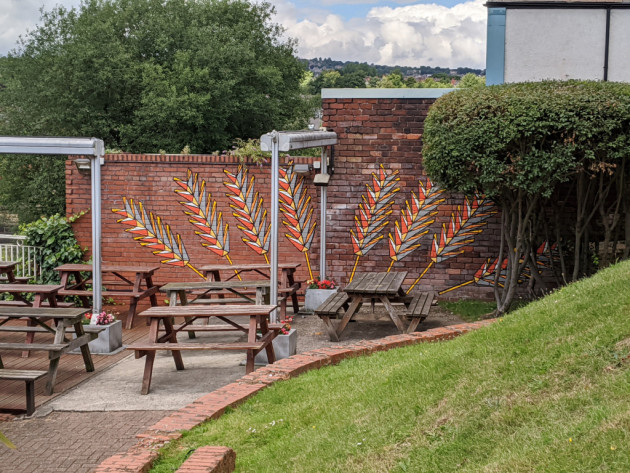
[284,141]
[95,149]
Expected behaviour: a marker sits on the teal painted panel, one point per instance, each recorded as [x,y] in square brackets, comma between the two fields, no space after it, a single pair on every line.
[495,53]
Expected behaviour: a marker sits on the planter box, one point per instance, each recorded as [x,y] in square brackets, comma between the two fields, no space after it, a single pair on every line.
[283,346]
[109,340]
[316,297]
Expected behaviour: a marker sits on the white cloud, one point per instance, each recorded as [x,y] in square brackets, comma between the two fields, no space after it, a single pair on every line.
[18,16]
[412,35]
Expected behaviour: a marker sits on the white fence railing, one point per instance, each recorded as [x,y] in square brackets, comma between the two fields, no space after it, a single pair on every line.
[12,248]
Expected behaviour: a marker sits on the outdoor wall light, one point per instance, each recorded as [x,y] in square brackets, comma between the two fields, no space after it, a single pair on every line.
[302,168]
[83,165]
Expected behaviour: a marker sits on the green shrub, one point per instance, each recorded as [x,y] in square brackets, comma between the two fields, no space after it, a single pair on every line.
[59,246]
[552,156]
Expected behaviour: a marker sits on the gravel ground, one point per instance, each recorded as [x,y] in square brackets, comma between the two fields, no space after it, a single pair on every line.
[369,325]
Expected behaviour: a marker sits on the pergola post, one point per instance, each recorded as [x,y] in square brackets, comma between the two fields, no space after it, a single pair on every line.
[284,141]
[93,147]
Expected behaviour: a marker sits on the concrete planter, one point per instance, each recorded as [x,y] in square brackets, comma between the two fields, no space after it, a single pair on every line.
[283,346]
[109,340]
[316,297]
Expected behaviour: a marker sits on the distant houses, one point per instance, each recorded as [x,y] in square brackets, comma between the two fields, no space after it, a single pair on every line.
[536,40]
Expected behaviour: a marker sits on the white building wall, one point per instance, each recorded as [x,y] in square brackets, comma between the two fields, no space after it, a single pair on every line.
[564,43]
[619,55]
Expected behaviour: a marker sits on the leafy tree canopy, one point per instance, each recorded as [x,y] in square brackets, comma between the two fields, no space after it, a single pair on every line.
[148,74]
[527,137]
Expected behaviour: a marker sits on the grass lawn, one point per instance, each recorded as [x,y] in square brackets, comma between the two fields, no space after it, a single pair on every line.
[469,310]
[546,389]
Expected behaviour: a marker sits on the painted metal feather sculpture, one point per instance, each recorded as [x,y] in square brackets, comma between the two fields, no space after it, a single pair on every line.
[151,232]
[416,216]
[295,204]
[373,213]
[460,231]
[248,210]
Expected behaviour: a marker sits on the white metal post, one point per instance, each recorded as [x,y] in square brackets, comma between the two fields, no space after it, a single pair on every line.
[273,265]
[322,217]
[97,283]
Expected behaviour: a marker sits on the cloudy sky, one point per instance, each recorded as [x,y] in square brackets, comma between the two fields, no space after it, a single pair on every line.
[448,33]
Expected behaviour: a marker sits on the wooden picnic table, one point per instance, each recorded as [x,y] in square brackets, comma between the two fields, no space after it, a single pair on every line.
[42,293]
[7,273]
[257,315]
[75,284]
[201,289]
[288,286]
[63,318]
[385,287]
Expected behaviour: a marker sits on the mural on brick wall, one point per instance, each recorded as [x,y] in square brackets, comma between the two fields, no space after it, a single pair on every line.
[546,256]
[151,232]
[296,206]
[247,209]
[374,210]
[415,217]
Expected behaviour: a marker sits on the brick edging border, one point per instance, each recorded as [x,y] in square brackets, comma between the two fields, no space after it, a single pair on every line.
[140,457]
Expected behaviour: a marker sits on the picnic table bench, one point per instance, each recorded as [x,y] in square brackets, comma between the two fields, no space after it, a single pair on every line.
[136,287]
[258,322]
[29,377]
[287,285]
[7,268]
[385,287]
[63,318]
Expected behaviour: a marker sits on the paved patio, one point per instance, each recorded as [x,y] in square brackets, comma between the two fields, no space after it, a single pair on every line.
[102,415]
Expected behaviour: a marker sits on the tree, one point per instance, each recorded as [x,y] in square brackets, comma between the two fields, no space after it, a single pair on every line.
[470,81]
[552,155]
[145,75]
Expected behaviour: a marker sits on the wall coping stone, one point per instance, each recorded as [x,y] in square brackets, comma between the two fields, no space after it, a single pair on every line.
[384,93]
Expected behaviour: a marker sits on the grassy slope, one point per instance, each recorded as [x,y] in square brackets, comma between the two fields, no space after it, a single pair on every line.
[542,390]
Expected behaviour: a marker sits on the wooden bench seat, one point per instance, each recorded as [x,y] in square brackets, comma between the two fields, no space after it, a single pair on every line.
[142,348]
[219,328]
[331,306]
[89,293]
[29,377]
[44,304]
[419,308]
[49,347]
[19,279]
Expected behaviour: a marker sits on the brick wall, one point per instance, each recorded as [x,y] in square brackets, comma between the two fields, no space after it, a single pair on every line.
[371,131]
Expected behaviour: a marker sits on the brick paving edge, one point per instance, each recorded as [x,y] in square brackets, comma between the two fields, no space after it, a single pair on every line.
[140,457]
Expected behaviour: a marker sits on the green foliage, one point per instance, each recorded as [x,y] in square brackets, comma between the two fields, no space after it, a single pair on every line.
[528,137]
[149,74]
[544,389]
[32,186]
[552,156]
[470,81]
[59,245]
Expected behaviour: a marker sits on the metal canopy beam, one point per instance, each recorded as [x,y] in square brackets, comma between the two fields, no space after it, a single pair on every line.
[275,142]
[92,147]
[290,140]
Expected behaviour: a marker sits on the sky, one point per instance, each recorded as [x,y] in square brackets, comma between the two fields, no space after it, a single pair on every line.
[447,33]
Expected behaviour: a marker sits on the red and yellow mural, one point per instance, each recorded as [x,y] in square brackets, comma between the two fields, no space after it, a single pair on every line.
[418,214]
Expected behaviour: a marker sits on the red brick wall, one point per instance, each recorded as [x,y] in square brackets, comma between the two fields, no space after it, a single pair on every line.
[371,132]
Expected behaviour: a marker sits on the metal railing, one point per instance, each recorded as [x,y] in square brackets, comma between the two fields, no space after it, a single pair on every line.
[12,248]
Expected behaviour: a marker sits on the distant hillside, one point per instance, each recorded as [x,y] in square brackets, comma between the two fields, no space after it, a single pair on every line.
[318,65]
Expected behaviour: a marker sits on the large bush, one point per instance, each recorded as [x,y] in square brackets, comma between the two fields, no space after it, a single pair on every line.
[543,151]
